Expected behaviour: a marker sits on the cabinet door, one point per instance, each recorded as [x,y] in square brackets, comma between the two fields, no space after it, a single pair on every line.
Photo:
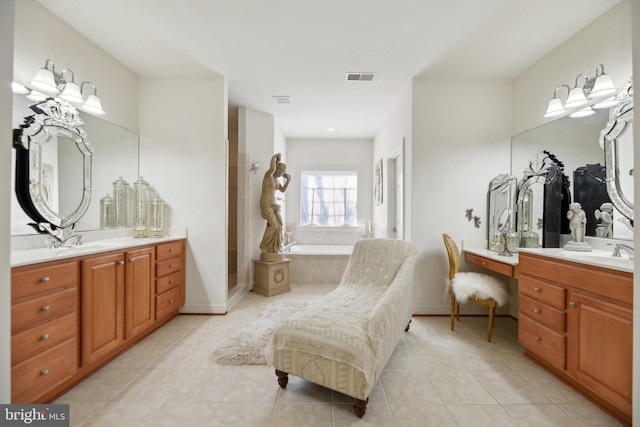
[600,347]
[139,291]
[102,306]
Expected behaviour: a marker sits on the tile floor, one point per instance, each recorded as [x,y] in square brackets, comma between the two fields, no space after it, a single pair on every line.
[436,377]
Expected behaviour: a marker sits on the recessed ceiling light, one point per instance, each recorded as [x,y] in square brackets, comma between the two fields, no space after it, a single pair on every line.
[282,99]
[331,129]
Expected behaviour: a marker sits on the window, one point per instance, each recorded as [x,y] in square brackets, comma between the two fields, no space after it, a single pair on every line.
[329,198]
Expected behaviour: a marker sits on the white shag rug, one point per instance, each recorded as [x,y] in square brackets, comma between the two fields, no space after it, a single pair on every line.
[247,346]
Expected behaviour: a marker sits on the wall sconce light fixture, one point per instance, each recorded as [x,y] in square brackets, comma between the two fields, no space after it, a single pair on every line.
[254,167]
[49,83]
[598,88]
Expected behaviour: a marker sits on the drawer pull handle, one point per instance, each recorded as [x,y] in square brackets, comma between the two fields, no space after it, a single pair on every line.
[45,279]
[170,265]
[536,338]
[536,311]
[536,289]
[44,372]
[131,259]
[46,308]
[170,301]
[171,281]
[484,263]
[572,304]
[171,250]
[45,337]
[120,262]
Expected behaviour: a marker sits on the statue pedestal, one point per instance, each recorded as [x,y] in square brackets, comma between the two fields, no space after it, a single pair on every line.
[271,278]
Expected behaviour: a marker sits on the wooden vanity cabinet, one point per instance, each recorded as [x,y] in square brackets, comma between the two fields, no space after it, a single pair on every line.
[44,327]
[577,321]
[71,317]
[169,278]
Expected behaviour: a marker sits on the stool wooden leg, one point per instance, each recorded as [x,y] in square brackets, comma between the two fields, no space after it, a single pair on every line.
[408,326]
[492,310]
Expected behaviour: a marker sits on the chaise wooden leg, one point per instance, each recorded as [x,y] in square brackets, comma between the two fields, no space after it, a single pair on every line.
[283,378]
[408,326]
[360,406]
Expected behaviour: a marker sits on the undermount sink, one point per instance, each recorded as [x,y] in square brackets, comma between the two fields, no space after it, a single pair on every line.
[599,258]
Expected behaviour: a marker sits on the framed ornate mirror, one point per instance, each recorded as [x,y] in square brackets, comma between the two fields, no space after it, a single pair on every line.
[502,207]
[617,140]
[41,171]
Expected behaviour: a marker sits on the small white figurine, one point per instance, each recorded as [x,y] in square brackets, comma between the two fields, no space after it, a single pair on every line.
[605,215]
[577,225]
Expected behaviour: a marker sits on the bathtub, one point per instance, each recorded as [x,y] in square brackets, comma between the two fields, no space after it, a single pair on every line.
[318,264]
[322,249]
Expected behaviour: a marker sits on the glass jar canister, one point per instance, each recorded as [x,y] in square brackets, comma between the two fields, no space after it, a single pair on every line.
[140,207]
[107,212]
[121,196]
[157,216]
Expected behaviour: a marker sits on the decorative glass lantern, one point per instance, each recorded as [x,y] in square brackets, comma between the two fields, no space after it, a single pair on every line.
[107,212]
[156,216]
[140,207]
[121,196]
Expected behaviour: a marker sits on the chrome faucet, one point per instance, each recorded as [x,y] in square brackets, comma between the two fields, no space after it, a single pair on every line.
[616,250]
[287,247]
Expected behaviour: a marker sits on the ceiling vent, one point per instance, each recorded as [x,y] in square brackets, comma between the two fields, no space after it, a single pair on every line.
[281,100]
[360,77]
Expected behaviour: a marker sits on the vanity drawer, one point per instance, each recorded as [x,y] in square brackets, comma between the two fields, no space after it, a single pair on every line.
[43,372]
[165,283]
[543,341]
[168,303]
[37,310]
[544,313]
[32,281]
[169,250]
[498,267]
[167,267]
[39,338]
[542,291]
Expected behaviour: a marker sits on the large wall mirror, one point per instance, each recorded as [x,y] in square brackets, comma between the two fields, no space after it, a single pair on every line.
[115,154]
[577,143]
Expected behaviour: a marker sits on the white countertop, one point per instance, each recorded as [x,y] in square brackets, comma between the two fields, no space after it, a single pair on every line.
[598,258]
[33,256]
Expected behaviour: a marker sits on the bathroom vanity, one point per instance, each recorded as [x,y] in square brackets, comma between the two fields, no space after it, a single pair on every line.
[76,308]
[575,318]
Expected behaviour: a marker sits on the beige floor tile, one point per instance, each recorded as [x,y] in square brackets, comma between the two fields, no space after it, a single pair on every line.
[589,415]
[122,414]
[406,415]
[552,387]
[166,335]
[377,395]
[172,414]
[481,415]
[377,415]
[303,415]
[481,359]
[152,385]
[259,386]
[179,357]
[203,386]
[102,385]
[409,387]
[299,390]
[81,410]
[438,359]
[243,415]
[510,387]
[139,356]
[547,415]
[460,388]
[402,358]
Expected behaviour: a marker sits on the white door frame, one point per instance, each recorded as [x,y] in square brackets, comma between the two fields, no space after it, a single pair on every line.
[395,190]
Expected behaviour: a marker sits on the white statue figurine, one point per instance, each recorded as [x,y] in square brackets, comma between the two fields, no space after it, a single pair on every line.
[271,245]
[577,225]
[605,215]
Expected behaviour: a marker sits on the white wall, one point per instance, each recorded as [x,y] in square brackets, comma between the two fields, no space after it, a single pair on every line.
[390,138]
[6,75]
[330,155]
[460,141]
[606,41]
[183,131]
[41,35]
[259,138]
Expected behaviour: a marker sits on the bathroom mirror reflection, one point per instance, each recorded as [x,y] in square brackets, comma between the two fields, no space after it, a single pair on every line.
[576,142]
[116,152]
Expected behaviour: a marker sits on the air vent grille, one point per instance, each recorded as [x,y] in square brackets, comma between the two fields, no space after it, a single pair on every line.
[282,99]
[360,77]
